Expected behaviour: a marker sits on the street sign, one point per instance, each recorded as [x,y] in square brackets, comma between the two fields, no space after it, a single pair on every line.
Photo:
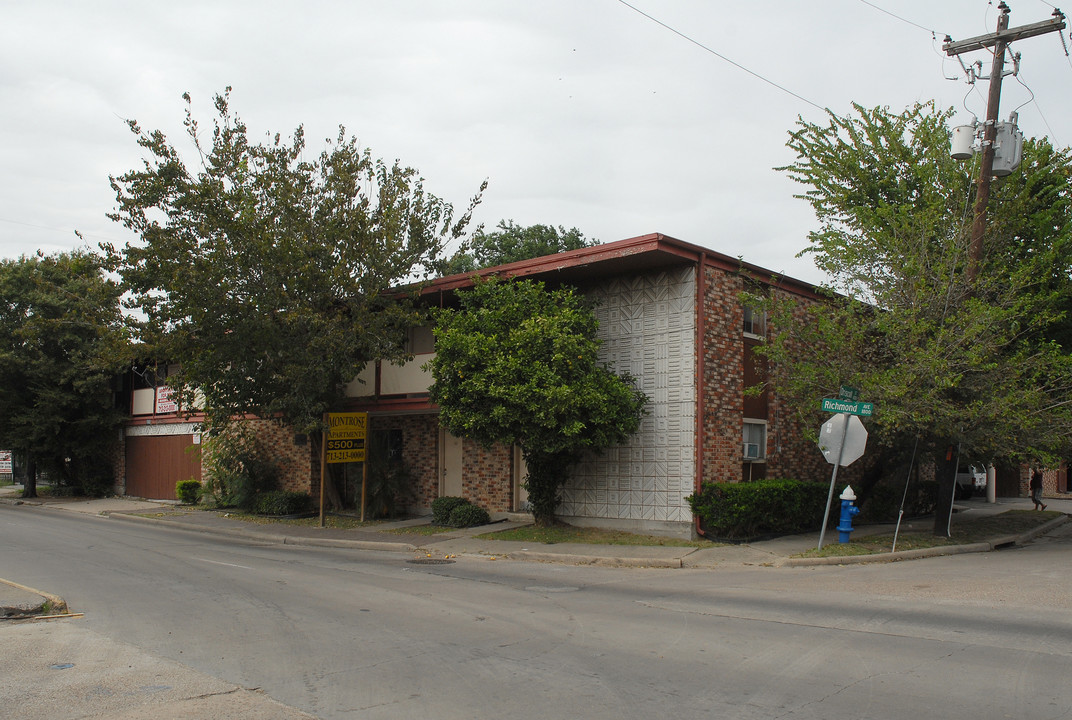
[346,437]
[852,407]
[834,433]
[848,393]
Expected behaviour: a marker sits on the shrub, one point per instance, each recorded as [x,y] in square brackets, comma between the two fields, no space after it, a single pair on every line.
[763,507]
[283,502]
[238,466]
[468,515]
[188,491]
[443,507]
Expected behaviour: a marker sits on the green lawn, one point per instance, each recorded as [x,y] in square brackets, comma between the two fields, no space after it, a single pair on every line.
[591,536]
[965,531]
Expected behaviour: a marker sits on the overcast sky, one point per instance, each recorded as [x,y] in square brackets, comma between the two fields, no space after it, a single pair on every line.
[579,113]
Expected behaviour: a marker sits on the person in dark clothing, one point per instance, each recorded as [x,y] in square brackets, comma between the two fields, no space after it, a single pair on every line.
[1036,488]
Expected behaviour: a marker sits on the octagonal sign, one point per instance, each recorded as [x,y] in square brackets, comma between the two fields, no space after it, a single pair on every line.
[855,438]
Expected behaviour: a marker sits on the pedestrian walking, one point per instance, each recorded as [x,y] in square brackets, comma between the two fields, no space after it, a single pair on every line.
[1036,488]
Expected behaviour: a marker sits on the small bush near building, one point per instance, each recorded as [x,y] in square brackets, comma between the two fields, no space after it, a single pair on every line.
[283,502]
[238,467]
[763,507]
[442,507]
[468,515]
[458,512]
[188,491]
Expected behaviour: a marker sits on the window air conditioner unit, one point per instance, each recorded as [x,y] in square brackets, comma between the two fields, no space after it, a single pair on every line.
[751,451]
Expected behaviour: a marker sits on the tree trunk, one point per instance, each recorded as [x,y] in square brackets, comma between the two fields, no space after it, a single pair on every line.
[945,469]
[29,490]
[547,475]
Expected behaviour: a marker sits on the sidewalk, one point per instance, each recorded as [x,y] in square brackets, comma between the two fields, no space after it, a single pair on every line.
[777,552]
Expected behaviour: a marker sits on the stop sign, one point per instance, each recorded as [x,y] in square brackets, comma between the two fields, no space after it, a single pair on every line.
[834,430]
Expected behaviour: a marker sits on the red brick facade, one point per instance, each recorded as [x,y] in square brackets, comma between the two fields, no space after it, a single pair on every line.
[487,476]
[723,376]
[794,455]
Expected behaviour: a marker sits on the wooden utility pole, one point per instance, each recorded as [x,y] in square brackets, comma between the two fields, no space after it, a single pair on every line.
[999,40]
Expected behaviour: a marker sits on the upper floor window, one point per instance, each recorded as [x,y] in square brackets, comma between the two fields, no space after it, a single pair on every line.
[420,341]
[755,440]
[755,321]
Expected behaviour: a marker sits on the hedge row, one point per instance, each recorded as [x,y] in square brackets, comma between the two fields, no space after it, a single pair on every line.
[761,507]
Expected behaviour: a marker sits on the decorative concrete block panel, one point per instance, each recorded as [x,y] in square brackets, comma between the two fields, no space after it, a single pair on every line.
[647,323]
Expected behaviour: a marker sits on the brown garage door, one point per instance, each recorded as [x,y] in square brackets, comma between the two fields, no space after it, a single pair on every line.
[155,464]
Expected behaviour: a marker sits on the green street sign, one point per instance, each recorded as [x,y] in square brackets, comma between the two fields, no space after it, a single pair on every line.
[848,393]
[849,407]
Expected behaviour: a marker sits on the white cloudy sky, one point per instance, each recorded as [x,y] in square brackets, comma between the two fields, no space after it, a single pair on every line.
[578,112]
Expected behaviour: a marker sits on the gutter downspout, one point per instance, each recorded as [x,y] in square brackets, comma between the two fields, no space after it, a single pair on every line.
[701,295]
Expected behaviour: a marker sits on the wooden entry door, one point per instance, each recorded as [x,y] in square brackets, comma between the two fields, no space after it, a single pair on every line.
[450,465]
[155,463]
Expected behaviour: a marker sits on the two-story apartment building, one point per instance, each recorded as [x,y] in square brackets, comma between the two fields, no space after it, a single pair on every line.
[670,314]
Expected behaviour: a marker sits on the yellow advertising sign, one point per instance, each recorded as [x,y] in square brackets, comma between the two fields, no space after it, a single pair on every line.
[346,436]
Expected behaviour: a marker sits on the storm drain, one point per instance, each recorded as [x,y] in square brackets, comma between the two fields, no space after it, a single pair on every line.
[430,561]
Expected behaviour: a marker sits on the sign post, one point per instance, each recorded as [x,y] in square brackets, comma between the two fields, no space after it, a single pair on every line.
[344,441]
[842,439]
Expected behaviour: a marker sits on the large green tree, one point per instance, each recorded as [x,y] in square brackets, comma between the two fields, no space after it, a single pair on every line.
[517,363]
[974,365]
[267,275]
[63,340]
[511,242]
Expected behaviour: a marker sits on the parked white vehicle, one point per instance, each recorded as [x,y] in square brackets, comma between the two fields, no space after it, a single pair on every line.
[970,478]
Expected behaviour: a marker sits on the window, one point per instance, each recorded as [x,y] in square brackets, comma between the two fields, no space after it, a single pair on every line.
[754,448]
[420,341]
[755,322]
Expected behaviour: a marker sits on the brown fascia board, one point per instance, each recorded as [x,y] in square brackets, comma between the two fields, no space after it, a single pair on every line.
[642,252]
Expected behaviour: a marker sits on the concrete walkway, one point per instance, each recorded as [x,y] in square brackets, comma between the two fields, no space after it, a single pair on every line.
[776,552]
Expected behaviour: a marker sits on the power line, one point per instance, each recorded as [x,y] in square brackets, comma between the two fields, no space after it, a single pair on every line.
[54,229]
[898,17]
[723,57]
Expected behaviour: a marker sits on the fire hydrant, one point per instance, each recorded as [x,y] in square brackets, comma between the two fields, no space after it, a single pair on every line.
[848,512]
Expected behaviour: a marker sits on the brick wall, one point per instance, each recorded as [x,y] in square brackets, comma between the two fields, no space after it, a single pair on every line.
[487,477]
[792,454]
[299,468]
[723,369]
[789,452]
[119,465]
[1049,482]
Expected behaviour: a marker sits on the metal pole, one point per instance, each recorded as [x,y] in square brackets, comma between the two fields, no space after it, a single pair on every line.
[956,471]
[364,482]
[833,479]
[323,464]
[904,496]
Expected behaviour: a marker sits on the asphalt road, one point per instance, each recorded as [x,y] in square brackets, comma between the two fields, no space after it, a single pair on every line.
[358,634]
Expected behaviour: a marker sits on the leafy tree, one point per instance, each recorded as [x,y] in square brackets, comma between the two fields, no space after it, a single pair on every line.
[978,366]
[511,243]
[517,363]
[267,275]
[62,341]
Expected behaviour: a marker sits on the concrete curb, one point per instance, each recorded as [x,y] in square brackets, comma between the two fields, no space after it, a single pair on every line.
[269,538]
[58,606]
[601,560]
[930,552]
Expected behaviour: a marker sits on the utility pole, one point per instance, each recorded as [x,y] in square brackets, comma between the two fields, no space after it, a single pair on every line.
[999,40]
